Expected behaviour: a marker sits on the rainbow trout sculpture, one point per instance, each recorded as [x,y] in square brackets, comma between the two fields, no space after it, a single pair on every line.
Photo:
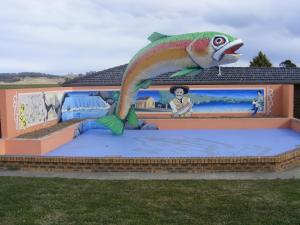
[184,54]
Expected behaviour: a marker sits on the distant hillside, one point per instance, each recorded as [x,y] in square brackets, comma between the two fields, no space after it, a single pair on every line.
[25,78]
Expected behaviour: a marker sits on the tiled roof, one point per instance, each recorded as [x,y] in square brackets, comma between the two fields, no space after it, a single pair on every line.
[230,75]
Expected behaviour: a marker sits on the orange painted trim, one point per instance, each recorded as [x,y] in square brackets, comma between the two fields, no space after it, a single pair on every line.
[288,100]
[295,124]
[198,115]
[2,111]
[96,88]
[22,147]
[219,123]
[2,146]
[19,146]
[58,138]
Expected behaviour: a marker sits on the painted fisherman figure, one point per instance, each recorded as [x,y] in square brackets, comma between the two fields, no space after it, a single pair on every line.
[255,106]
[260,100]
[258,103]
[181,105]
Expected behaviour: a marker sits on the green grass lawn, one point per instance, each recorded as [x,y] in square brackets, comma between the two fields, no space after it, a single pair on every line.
[70,201]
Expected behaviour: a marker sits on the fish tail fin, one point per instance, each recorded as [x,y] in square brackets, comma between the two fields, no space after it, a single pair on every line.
[116,124]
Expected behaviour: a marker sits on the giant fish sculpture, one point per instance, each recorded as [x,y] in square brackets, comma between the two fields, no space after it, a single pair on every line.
[184,54]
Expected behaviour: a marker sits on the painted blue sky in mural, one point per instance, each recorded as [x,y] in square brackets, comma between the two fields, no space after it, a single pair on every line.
[146,93]
[228,93]
[240,93]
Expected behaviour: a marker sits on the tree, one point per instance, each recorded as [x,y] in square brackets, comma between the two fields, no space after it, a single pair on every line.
[260,60]
[287,64]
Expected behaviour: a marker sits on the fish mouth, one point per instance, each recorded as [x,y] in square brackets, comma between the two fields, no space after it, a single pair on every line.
[229,51]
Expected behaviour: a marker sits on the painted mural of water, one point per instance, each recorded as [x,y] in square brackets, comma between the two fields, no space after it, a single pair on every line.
[223,107]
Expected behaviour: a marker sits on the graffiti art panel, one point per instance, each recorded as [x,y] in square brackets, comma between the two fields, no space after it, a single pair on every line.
[36,108]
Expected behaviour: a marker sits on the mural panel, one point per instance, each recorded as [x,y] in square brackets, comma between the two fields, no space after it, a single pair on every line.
[180,101]
[195,100]
[35,108]
[203,100]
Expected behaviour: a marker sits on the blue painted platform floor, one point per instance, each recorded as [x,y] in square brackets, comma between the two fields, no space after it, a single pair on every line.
[181,143]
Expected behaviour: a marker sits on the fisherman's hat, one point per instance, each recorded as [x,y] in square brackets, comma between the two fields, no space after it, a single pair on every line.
[184,88]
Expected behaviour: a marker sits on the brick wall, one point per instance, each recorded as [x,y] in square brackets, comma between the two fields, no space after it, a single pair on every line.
[153,165]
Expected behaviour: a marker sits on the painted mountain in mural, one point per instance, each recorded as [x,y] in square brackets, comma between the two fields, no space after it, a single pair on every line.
[166,97]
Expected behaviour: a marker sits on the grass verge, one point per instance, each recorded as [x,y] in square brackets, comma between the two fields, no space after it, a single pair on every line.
[30,201]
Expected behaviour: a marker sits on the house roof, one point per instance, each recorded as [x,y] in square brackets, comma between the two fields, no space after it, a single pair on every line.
[230,75]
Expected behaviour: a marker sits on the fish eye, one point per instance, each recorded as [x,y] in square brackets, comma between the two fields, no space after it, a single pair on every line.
[219,40]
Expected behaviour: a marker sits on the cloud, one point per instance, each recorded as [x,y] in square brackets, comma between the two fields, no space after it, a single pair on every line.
[61,36]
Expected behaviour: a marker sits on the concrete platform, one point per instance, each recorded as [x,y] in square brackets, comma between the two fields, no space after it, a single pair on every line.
[181,143]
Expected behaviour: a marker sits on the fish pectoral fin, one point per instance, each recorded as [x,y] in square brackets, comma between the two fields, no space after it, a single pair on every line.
[132,118]
[187,71]
[156,36]
[143,84]
[114,123]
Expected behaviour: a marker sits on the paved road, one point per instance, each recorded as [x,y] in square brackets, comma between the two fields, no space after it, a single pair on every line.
[288,174]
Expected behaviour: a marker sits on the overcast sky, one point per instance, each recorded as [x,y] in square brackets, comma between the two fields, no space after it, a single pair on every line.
[63,36]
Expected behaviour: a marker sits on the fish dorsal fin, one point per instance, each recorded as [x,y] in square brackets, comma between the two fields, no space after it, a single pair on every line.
[156,36]
[187,71]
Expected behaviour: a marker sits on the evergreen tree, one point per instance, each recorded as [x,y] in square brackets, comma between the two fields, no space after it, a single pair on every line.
[287,64]
[260,60]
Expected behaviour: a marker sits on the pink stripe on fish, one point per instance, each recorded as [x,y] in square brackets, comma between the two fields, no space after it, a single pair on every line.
[161,47]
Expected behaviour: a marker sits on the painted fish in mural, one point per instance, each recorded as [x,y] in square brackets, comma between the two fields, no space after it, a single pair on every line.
[185,54]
